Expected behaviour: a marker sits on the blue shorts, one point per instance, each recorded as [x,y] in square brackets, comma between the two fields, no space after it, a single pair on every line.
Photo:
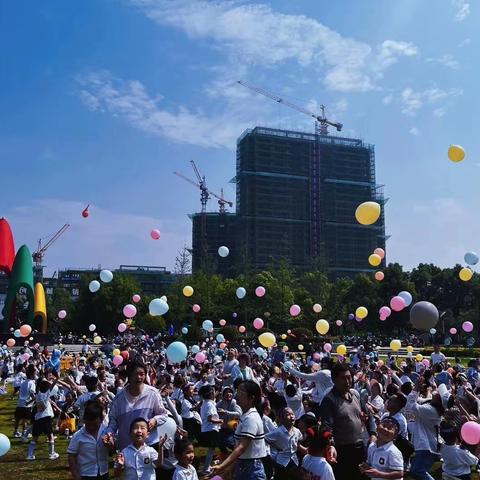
[249,469]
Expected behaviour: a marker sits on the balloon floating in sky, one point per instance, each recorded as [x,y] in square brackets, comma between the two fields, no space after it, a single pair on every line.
[361,312]
[176,352]
[397,303]
[379,276]
[267,339]
[317,308]
[184,330]
[467,326]
[456,153]
[453,331]
[92,327]
[187,291]
[471,258]
[106,276]
[367,213]
[260,291]
[322,326]
[465,274]
[470,432]
[407,297]
[207,325]
[374,260]
[85,212]
[395,345]
[10,342]
[240,292]
[129,310]
[223,251]
[423,315]
[295,310]
[62,314]
[158,307]
[242,329]
[155,234]
[380,252]
[341,349]
[25,330]
[258,323]
[136,298]
[339,323]
[94,286]
[195,308]
[222,322]
[122,327]
[433,331]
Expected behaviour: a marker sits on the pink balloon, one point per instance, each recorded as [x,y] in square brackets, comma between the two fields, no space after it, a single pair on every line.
[129,310]
[339,323]
[222,322]
[385,311]
[382,318]
[258,323]
[62,314]
[380,252]
[397,303]
[241,329]
[327,347]
[200,357]
[453,331]
[121,327]
[316,356]
[260,291]
[136,298]
[25,357]
[471,433]
[467,326]
[426,362]
[10,342]
[295,310]
[155,234]
[196,308]
[117,360]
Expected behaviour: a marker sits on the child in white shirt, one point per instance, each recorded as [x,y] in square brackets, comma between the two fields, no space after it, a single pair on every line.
[185,455]
[457,461]
[315,462]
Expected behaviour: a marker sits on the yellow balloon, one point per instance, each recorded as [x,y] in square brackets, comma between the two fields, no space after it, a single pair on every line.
[465,274]
[322,326]
[374,260]
[300,347]
[368,213]
[361,312]
[285,348]
[395,345]
[418,357]
[267,339]
[456,153]
[283,336]
[116,352]
[188,291]
[341,349]
[97,340]
[409,349]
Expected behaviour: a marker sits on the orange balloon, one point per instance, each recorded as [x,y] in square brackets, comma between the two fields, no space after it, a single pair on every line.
[379,276]
[25,330]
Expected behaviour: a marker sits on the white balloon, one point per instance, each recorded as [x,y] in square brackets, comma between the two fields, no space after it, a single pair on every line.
[158,307]
[106,276]
[241,292]
[223,251]
[94,286]
[92,327]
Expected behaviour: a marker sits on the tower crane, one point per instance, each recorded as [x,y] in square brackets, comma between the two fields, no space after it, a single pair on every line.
[322,122]
[41,249]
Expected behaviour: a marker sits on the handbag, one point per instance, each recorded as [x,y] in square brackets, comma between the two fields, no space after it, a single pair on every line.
[405,446]
[67,423]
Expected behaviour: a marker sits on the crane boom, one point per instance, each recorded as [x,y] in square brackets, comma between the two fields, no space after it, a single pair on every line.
[187,179]
[197,173]
[322,119]
[53,239]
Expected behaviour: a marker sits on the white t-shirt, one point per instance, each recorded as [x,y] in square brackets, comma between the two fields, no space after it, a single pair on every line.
[437,357]
[139,463]
[457,461]
[251,426]
[318,468]
[43,400]
[209,409]
[26,392]
[182,473]
[386,458]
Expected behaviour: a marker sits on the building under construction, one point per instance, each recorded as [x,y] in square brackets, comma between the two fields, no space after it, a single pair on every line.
[296,199]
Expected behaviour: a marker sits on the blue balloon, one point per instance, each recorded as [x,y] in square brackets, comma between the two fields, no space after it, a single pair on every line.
[241,292]
[17,333]
[177,352]
[158,307]
[407,297]
[220,338]
[351,316]
[184,330]
[4,444]
[471,258]
[195,349]
[207,325]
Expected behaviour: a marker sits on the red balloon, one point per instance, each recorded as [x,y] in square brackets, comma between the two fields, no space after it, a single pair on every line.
[85,212]
[125,355]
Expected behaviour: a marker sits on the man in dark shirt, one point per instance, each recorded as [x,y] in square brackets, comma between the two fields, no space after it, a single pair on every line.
[341,413]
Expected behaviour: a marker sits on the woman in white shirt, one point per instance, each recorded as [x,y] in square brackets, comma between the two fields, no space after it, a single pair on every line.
[249,435]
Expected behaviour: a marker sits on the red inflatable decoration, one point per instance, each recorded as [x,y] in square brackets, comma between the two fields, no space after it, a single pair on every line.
[7,247]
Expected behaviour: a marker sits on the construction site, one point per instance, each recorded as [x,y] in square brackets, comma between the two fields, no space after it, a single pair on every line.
[296,195]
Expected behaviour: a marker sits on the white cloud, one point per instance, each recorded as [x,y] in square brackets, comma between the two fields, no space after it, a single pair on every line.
[465,42]
[462,10]
[130,101]
[387,100]
[414,131]
[254,34]
[439,112]
[446,60]
[412,101]
[431,232]
[106,238]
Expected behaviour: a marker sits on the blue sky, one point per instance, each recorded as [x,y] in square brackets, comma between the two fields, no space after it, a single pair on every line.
[101,100]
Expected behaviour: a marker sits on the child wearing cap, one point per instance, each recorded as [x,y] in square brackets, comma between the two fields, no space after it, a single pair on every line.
[384,458]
